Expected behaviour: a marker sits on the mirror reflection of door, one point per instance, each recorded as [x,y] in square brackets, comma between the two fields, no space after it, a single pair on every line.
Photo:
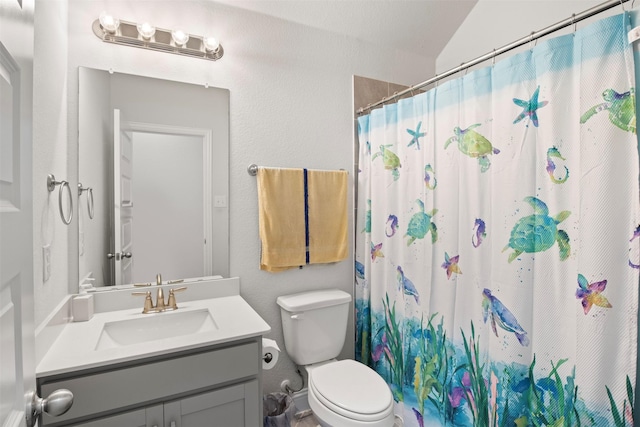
[169,209]
[151,106]
[123,201]
[161,199]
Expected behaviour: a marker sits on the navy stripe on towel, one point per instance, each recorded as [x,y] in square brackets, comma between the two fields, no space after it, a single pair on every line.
[306,214]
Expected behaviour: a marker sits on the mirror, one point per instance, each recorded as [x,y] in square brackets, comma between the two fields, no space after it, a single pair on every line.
[153,179]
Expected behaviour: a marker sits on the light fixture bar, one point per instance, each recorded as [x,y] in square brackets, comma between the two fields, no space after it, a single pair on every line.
[127,34]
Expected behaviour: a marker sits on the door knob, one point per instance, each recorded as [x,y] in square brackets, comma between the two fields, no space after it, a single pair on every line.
[56,404]
[126,254]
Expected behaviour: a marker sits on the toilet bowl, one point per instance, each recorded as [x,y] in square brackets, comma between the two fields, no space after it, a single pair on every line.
[347,393]
[341,393]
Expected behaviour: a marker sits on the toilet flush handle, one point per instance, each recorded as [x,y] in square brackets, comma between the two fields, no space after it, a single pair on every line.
[298,316]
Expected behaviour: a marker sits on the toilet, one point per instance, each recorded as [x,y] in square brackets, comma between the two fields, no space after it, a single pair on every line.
[341,393]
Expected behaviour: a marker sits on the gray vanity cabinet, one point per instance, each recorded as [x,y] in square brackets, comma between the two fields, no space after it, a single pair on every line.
[152,416]
[231,406]
[216,386]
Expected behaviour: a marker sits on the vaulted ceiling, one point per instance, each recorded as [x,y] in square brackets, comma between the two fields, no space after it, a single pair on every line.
[421,27]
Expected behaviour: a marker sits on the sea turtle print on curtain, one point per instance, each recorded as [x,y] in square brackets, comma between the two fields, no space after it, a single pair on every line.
[504,292]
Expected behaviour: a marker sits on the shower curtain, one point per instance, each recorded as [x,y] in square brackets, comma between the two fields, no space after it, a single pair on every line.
[497,246]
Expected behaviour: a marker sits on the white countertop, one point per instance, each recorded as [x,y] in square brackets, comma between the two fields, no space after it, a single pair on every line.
[75,347]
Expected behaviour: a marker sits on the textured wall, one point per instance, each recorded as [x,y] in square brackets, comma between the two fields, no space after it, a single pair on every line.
[291,106]
[50,154]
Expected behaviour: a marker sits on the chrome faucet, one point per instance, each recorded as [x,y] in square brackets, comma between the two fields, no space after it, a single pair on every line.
[160,305]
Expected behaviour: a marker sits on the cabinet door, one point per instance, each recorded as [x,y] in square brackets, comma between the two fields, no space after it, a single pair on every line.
[234,406]
[147,417]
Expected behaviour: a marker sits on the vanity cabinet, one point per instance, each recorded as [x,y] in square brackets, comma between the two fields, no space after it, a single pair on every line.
[152,416]
[216,386]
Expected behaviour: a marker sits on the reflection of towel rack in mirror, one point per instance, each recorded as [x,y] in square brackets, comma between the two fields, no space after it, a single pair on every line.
[51,185]
[89,191]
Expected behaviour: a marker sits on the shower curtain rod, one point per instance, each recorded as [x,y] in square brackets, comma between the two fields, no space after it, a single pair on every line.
[575,18]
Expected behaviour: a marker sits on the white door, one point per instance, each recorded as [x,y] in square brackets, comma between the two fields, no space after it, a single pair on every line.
[123,200]
[17,342]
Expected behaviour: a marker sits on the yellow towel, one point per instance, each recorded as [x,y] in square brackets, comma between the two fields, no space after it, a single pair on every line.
[327,216]
[283,230]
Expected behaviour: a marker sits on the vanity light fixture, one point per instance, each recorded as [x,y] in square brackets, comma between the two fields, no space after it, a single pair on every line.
[146,30]
[180,38]
[146,36]
[109,23]
[211,44]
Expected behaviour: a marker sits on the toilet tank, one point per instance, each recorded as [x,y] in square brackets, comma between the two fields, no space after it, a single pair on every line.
[314,324]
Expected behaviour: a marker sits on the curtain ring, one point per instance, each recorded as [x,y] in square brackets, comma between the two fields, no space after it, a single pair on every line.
[493,58]
[531,38]
[622,5]
[411,90]
[573,22]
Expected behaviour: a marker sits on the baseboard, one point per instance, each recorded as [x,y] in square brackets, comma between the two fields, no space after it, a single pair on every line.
[301,401]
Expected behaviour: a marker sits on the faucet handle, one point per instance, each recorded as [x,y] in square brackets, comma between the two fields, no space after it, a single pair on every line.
[172,298]
[148,302]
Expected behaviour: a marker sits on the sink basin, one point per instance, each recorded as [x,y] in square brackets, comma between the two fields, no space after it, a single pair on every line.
[152,327]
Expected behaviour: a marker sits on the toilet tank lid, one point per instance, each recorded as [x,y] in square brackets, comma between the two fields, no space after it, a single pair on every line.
[311,300]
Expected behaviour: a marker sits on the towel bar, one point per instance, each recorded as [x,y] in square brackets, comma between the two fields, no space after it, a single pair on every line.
[252,169]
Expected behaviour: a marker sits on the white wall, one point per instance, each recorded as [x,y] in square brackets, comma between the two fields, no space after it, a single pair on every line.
[291,106]
[51,155]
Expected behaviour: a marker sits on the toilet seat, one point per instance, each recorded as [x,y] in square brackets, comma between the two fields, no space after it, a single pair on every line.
[352,390]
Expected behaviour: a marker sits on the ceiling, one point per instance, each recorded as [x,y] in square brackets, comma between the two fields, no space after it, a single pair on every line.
[421,27]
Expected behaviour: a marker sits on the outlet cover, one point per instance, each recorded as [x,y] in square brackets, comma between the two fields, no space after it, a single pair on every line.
[220,201]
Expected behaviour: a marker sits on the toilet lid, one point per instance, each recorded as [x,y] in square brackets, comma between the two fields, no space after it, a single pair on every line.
[353,387]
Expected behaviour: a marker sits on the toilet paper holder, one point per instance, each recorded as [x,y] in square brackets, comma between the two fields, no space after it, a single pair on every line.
[268,357]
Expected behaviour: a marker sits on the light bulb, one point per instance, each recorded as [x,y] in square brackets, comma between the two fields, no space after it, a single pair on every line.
[109,23]
[179,37]
[146,30]
[211,44]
